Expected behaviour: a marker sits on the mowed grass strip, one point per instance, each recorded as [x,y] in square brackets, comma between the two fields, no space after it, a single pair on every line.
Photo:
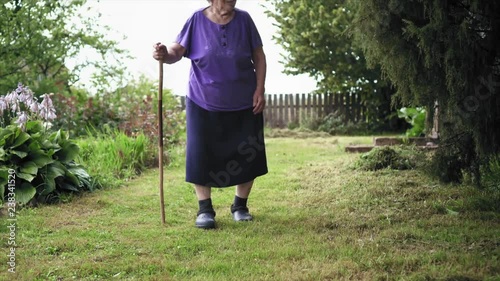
[316,218]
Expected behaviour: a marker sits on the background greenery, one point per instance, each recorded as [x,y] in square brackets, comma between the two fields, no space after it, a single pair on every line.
[444,53]
[316,39]
[431,54]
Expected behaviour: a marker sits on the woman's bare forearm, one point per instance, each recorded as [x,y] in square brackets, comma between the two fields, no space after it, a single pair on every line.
[259,60]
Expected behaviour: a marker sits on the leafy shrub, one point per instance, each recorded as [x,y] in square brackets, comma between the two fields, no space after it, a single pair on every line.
[34,163]
[456,160]
[331,123]
[132,109]
[136,107]
[142,118]
[293,125]
[43,163]
[309,122]
[80,112]
[398,158]
[416,118]
[334,124]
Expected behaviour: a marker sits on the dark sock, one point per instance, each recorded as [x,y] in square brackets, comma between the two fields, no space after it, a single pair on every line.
[239,204]
[206,206]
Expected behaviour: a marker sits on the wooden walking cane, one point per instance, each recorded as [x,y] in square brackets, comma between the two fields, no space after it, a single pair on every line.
[160,141]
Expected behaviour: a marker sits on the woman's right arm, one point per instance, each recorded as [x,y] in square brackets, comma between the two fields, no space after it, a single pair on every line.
[170,54]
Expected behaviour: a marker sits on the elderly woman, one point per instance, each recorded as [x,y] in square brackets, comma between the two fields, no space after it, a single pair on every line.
[224,104]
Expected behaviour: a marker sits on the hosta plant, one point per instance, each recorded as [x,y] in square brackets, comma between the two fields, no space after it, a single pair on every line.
[41,162]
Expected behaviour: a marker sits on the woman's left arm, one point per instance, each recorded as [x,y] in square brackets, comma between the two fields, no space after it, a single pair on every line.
[259,60]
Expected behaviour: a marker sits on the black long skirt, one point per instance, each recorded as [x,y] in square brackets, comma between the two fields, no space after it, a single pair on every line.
[224,148]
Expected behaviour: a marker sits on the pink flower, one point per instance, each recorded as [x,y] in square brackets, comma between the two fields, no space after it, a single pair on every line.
[12,100]
[34,107]
[3,105]
[22,119]
[20,88]
[46,109]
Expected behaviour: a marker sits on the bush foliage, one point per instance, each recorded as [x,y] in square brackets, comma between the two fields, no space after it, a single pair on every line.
[118,134]
[131,109]
[443,52]
[416,118]
[44,163]
[36,163]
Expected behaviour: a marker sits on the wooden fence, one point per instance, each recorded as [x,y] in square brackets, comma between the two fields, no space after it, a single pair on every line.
[281,110]
[293,108]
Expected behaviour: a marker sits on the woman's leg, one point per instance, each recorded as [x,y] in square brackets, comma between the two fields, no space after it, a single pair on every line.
[206,214]
[202,192]
[243,190]
[239,208]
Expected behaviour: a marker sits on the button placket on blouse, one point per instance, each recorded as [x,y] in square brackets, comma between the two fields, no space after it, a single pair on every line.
[224,36]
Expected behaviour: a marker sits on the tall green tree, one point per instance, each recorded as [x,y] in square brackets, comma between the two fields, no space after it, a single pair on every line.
[37,38]
[315,37]
[446,52]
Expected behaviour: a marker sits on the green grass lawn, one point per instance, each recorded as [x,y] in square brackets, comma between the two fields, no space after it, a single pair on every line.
[315,218]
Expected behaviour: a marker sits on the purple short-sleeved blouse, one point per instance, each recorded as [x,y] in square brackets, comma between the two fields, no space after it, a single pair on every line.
[222,75]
